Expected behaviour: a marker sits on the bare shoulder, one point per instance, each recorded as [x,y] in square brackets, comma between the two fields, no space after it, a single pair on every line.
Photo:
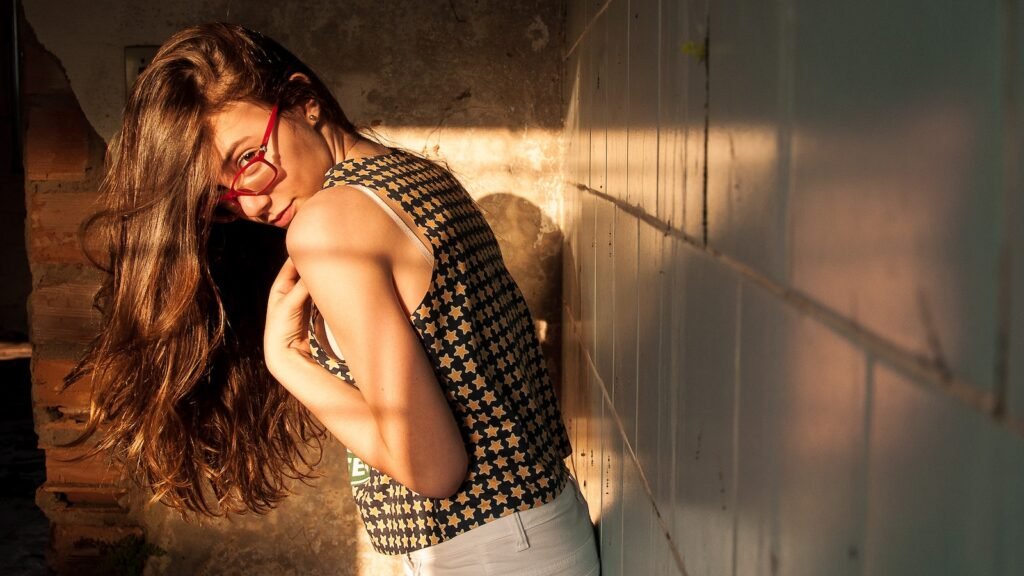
[339,220]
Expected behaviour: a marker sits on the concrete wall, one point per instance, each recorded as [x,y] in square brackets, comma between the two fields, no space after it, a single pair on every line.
[477,85]
[793,284]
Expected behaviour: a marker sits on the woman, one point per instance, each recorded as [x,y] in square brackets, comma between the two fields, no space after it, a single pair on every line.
[393,321]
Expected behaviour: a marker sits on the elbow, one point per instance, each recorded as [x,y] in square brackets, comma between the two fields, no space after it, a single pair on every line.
[444,481]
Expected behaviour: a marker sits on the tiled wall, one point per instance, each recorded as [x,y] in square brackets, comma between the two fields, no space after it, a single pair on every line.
[794,284]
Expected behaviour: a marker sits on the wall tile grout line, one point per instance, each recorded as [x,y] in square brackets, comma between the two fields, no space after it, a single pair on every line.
[707,126]
[914,366]
[585,354]
[1010,185]
[869,415]
[672,368]
[737,391]
[787,81]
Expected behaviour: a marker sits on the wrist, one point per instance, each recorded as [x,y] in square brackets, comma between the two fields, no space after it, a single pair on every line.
[288,363]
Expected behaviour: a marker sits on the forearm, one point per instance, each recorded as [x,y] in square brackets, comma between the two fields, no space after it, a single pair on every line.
[344,411]
[398,420]
[338,405]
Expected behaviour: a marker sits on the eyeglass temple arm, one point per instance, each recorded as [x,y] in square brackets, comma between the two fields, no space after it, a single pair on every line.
[270,126]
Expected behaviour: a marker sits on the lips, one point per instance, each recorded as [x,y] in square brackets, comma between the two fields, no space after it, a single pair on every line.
[284,217]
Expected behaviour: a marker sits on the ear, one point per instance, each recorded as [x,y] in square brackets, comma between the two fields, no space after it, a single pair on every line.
[311,109]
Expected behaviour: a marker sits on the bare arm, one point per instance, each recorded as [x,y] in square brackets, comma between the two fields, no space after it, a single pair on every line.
[398,421]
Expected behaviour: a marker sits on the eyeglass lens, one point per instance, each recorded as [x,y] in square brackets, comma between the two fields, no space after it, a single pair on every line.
[255,178]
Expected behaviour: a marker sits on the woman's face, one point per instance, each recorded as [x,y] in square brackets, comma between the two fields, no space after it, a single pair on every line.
[297,150]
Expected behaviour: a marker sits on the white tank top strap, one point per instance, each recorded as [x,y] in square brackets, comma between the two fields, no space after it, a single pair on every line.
[332,342]
[405,228]
[398,220]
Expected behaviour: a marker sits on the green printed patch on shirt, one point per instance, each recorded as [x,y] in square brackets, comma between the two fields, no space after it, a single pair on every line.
[358,471]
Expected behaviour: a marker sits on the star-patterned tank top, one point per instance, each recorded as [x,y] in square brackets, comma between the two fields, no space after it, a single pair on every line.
[480,338]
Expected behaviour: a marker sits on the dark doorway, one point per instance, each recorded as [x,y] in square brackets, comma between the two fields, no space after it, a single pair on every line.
[23,528]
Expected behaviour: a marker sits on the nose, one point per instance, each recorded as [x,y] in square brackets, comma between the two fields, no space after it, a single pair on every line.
[255,206]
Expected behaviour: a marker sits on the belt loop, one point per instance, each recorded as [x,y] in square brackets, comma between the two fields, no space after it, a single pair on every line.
[522,542]
[414,565]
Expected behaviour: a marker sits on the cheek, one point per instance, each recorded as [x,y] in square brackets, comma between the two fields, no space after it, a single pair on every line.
[319,154]
[307,157]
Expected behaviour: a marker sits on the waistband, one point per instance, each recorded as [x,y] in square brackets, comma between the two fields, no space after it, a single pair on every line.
[466,543]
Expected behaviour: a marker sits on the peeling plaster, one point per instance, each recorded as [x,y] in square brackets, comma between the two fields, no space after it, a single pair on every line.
[538,34]
[413,56]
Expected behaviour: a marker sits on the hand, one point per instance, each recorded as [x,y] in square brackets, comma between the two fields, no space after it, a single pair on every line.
[285,335]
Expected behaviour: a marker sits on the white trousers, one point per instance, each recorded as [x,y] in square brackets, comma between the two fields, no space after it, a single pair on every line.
[556,538]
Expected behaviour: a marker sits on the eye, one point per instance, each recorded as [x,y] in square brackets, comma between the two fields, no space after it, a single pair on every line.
[246,157]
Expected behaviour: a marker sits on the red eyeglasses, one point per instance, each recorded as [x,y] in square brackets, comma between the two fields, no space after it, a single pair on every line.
[257,175]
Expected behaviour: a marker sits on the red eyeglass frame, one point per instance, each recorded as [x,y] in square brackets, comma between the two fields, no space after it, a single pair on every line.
[231,196]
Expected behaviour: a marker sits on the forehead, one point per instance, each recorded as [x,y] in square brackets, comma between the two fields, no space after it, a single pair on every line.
[235,123]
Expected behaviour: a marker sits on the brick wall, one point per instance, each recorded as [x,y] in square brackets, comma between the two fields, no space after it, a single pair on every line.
[63,160]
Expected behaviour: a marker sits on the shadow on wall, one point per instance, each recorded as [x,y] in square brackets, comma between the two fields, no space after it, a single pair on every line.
[531,245]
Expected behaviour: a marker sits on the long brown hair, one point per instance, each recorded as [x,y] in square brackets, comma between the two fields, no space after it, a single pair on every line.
[181,394]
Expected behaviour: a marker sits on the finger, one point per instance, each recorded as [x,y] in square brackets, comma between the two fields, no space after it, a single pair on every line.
[286,278]
[297,296]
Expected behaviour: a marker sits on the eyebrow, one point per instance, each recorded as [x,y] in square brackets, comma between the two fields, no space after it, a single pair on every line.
[231,152]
